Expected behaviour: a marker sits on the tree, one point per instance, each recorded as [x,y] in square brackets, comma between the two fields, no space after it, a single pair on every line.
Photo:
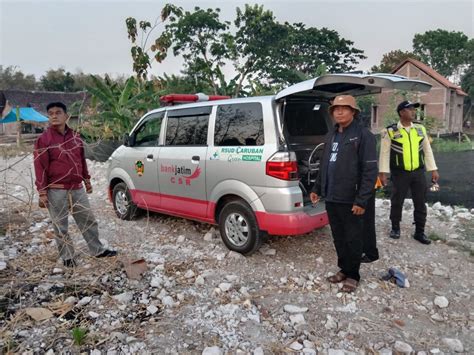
[13,78]
[446,52]
[391,59]
[141,58]
[180,84]
[118,107]
[257,39]
[57,80]
[203,41]
[308,51]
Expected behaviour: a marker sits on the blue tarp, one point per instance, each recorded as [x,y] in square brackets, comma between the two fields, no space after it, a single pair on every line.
[26,114]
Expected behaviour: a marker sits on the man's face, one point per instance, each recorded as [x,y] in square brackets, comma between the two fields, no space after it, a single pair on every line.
[57,117]
[408,114]
[343,115]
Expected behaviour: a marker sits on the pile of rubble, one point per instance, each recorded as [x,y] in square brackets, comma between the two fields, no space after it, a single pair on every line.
[175,288]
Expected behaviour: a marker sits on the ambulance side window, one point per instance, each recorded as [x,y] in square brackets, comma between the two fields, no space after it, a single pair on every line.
[187,130]
[239,124]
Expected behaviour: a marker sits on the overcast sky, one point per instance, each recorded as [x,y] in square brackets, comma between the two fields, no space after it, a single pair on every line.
[37,35]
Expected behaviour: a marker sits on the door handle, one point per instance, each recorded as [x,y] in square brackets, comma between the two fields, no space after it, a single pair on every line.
[149,157]
[196,157]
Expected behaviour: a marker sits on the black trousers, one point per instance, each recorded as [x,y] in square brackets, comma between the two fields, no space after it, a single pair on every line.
[415,181]
[368,232]
[347,235]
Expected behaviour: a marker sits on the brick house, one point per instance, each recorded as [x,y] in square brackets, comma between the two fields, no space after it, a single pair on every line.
[38,100]
[444,102]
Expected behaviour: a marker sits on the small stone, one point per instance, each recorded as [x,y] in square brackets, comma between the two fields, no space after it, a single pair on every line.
[296,346]
[235,255]
[441,301]
[294,309]
[435,351]
[212,350]
[454,344]
[124,298]
[209,236]
[95,352]
[336,352]
[84,301]
[437,317]
[309,351]
[70,300]
[402,347]
[57,270]
[189,274]
[199,281]
[156,281]
[3,265]
[168,301]
[308,344]
[181,239]
[437,206]
[258,351]
[330,323]
[152,309]
[297,319]
[94,314]
[225,286]
[268,251]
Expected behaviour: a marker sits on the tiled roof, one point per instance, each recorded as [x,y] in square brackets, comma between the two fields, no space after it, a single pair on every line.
[431,72]
[39,99]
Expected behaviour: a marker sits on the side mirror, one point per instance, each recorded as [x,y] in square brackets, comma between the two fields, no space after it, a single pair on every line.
[126,140]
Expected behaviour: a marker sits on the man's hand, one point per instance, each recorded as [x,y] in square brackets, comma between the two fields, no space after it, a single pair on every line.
[383,178]
[88,185]
[357,210]
[434,176]
[314,197]
[43,201]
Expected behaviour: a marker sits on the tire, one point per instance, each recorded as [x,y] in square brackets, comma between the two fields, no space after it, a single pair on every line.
[122,201]
[239,228]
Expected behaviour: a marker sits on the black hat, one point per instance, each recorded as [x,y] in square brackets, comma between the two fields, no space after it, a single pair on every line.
[406,104]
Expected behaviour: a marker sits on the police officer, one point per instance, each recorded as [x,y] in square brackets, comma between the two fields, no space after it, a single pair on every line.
[405,152]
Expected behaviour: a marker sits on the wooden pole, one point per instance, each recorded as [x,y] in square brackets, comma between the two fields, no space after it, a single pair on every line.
[18,127]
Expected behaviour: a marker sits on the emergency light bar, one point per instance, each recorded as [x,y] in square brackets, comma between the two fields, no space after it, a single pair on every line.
[175,99]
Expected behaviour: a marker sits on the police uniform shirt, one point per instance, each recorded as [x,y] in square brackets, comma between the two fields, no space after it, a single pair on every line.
[384,159]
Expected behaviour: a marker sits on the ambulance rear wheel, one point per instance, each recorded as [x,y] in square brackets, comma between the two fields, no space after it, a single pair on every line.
[239,228]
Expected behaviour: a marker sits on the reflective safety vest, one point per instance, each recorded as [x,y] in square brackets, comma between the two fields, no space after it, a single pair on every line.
[406,148]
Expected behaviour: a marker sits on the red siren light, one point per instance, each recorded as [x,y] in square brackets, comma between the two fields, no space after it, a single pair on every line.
[176,99]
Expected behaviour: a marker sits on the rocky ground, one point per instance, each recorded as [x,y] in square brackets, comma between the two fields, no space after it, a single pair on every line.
[175,288]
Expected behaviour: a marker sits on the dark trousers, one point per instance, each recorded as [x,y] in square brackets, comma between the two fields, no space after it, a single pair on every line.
[415,181]
[368,232]
[347,235]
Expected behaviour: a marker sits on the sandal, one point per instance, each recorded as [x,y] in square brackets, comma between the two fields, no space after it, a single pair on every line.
[339,277]
[349,285]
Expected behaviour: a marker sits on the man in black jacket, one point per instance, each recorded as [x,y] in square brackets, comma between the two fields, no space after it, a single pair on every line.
[346,180]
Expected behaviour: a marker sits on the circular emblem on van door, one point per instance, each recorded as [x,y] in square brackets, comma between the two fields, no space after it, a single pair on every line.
[139,167]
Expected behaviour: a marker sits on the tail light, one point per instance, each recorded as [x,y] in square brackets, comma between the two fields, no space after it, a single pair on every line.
[283,165]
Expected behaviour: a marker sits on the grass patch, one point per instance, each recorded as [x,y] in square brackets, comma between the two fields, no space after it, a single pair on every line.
[445,145]
[11,151]
[434,236]
[79,335]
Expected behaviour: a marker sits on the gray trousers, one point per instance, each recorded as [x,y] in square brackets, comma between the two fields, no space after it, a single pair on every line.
[60,204]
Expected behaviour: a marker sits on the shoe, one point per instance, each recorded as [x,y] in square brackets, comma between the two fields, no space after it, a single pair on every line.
[107,253]
[422,238]
[366,259]
[395,233]
[69,263]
